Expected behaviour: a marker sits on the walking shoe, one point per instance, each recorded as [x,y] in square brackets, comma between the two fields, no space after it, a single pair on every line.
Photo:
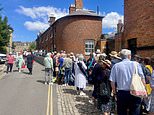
[77,92]
[91,101]
[50,83]
[82,93]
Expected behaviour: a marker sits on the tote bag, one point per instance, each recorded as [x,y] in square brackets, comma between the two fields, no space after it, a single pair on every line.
[137,88]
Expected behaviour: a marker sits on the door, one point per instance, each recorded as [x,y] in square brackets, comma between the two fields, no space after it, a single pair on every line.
[132,45]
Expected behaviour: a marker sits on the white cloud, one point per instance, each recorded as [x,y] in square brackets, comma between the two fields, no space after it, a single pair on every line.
[37,25]
[40,15]
[111,19]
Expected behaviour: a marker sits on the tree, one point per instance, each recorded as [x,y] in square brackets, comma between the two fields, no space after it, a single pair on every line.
[5,32]
[32,46]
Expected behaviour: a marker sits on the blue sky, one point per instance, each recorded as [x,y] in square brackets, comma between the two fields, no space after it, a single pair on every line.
[28,17]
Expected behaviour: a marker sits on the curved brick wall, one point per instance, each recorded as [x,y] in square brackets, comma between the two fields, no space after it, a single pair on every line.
[71,32]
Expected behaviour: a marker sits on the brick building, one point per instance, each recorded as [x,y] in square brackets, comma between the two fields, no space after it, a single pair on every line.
[77,32]
[138,33]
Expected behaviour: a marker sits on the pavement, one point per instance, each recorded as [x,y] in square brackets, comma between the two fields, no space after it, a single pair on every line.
[69,103]
[2,69]
[30,96]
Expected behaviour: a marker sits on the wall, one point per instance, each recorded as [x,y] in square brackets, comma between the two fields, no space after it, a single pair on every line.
[71,32]
[139,23]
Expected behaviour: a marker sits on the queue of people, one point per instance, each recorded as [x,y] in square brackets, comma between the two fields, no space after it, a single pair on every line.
[111,77]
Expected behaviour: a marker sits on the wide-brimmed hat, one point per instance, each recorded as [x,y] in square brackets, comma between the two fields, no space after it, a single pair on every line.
[104,54]
[114,54]
[107,62]
[98,51]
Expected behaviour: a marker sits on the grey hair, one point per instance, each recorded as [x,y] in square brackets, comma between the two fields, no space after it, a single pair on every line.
[80,57]
[124,53]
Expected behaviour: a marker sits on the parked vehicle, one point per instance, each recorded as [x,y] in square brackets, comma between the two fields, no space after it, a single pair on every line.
[2,58]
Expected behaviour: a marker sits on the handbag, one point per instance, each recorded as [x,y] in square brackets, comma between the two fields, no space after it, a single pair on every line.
[137,88]
[23,66]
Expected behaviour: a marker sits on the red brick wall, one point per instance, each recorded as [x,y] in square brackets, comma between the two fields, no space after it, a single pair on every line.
[147,53]
[139,23]
[72,32]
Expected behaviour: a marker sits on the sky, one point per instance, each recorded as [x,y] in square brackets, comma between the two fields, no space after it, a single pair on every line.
[29,17]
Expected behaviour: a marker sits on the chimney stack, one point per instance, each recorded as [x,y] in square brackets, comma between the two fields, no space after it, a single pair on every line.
[51,20]
[71,8]
[78,4]
[120,26]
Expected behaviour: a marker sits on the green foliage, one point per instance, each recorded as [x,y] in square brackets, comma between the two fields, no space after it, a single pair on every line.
[5,32]
[32,46]
[3,49]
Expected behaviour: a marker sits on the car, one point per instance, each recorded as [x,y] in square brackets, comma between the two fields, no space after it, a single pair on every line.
[2,58]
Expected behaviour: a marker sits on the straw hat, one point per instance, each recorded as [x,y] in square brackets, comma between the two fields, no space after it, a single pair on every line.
[98,51]
[107,62]
[114,54]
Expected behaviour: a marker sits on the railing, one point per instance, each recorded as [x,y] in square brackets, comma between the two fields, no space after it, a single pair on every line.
[39,59]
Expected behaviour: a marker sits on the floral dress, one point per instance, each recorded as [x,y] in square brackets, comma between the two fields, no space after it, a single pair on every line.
[102,89]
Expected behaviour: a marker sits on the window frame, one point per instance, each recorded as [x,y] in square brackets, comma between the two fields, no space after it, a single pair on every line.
[89,45]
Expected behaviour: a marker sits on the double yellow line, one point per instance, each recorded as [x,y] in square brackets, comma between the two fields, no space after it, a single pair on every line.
[49,102]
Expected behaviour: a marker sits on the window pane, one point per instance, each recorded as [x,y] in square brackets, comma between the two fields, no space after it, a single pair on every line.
[89,46]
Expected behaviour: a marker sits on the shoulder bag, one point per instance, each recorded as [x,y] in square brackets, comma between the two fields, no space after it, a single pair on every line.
[137,88]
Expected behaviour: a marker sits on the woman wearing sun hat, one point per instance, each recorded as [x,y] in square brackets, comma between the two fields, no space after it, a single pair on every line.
[101,73]
[114,58]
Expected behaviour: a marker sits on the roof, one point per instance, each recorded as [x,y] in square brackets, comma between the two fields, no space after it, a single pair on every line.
[84,13]
[78,12]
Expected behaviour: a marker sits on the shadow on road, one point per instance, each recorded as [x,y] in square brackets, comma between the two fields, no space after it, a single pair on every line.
[82,102]
[25,72]
[15,71]
[41,81]
[84,107]
[70,91]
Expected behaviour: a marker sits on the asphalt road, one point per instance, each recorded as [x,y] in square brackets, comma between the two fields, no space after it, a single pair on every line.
[24,94]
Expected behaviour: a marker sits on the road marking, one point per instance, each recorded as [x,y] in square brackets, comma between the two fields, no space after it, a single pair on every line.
[49,101]
[51,108]
[47,113]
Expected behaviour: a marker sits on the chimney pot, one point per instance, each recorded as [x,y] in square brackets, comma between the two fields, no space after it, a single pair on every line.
[78,4]
[71,8]
[51,20]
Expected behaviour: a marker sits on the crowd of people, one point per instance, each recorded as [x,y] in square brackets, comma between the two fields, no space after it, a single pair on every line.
[110,75]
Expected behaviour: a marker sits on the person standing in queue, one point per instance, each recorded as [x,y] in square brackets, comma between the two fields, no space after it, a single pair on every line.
[30,59]
[48,63]
[121,74]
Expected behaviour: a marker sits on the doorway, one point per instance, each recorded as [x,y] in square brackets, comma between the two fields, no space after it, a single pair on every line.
[132,45]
